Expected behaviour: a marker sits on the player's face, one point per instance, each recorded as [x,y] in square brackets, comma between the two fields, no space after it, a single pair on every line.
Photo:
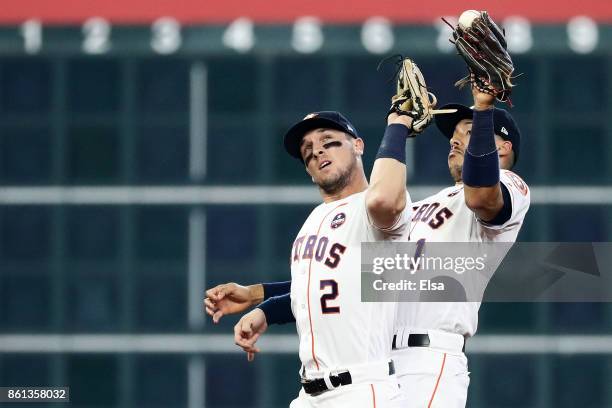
[330,157]
[458,144]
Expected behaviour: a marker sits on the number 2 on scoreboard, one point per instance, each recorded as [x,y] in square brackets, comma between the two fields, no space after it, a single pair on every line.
[329,296]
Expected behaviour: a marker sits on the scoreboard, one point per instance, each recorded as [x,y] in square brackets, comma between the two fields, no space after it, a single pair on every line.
[580,35]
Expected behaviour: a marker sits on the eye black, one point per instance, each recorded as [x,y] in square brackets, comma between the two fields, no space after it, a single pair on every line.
[335,143]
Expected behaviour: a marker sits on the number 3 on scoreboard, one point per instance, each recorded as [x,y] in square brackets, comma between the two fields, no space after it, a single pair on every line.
[329,296]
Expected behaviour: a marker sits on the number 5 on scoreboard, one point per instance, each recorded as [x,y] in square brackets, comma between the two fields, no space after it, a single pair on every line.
[329,296]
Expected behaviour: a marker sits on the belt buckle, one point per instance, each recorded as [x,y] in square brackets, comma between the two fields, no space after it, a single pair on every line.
[328,382]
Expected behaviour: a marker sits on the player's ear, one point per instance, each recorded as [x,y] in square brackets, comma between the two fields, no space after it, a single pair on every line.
[358,145]
[505,147]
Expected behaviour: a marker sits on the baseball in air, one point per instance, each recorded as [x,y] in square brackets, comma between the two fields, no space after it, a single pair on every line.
[466,18]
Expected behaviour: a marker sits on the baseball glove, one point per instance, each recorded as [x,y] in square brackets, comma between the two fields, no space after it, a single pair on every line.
[483,47]
[412,97]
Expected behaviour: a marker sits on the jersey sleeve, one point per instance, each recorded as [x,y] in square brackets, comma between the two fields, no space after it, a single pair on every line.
[520,197]
[400,227]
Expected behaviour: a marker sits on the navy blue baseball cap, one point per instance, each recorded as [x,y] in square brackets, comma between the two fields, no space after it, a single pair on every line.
[503,124]
[315,120]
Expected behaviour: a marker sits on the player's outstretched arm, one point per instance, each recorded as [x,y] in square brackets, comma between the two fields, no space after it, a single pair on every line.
[386,195]
[483,192]
[230,298]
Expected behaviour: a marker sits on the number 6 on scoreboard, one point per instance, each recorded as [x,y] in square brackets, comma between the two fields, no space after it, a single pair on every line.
[329,296]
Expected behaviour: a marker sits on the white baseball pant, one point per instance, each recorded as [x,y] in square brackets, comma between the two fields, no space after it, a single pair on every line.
[432,377]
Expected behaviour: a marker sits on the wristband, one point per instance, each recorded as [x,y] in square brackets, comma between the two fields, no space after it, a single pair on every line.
[481,161]
[278,310]
[275,289]
[393,143]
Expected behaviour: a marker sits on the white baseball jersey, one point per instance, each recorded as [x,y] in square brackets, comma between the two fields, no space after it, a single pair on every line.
[336,330]
[444,217]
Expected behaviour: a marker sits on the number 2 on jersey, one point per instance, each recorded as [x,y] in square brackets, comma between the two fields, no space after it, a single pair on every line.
[329,296]
[326,309]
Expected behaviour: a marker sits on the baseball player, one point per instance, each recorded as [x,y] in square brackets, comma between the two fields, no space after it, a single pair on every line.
[486,204]
[343,343]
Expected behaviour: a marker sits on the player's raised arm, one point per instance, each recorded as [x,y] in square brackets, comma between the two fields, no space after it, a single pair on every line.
[386,195]
[481,44]
[483,192]
[410,113]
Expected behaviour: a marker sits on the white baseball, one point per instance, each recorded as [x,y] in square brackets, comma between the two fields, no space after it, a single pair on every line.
[466,18]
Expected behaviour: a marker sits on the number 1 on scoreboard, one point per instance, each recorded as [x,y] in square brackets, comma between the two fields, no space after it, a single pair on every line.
[31,31]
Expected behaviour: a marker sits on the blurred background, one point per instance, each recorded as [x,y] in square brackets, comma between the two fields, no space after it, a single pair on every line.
[141,162]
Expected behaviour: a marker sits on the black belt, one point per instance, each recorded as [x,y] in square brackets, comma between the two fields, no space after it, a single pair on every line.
[417,340]
[343,378]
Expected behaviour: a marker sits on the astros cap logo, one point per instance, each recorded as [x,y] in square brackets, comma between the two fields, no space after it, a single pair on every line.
[310,116]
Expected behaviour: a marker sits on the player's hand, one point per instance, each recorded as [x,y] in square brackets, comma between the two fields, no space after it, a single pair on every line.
[394,118]
[230,298]
[247,331]
[482,100]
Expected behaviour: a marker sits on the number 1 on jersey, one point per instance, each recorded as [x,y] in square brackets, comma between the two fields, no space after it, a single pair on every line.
[420,246]
[329,296]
